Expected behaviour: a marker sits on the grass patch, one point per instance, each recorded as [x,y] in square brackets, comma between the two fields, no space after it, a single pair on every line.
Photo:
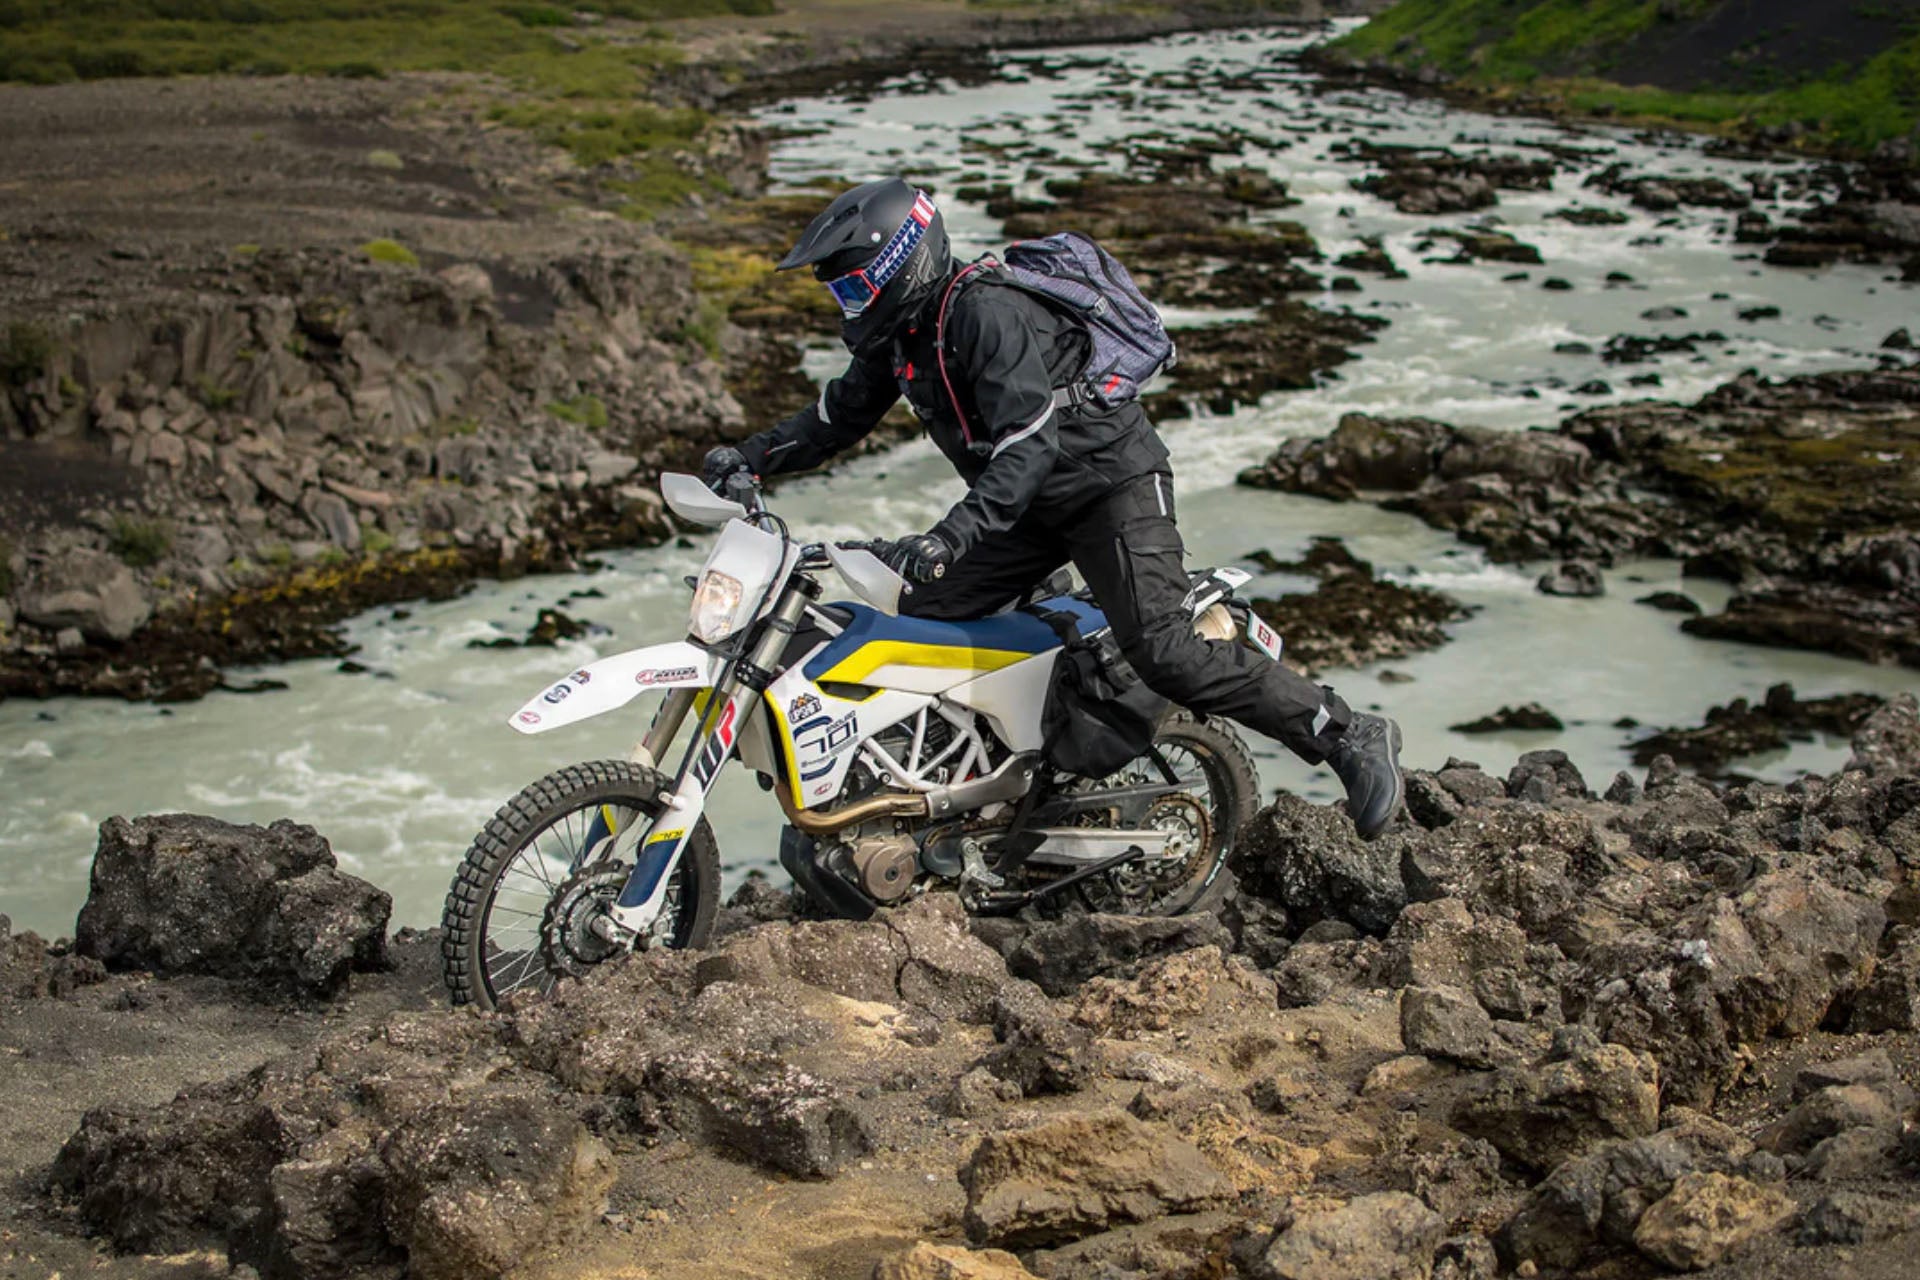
[25,348]
[390,251]
[583,411]
[599,133]
[53,41]
[388,160]
[139,543]
[277,555]
[376,540]
[1571,50]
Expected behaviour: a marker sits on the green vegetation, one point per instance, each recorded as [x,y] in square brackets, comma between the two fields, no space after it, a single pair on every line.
[600,133]
[51,41]
[391,251]
[25,348]
[215,396]
[277,555]
[376,540]
[1579,51]
[587,411]
[388,160]
[139,543]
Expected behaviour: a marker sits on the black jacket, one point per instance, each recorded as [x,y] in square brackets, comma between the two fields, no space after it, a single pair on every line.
[1006,352]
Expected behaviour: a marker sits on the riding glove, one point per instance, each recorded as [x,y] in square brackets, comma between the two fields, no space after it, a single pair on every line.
[722,464]
[919,557]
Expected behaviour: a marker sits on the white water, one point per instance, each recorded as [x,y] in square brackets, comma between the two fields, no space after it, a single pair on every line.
[398,769]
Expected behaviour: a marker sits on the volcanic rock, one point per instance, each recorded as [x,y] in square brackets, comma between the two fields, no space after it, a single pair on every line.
[1385,1236]
[1527,716]
[1554,1110]
[927,1261]
[1059,956]
[186,894]
[1072,1177]
[1447,1022]
[1706,1217]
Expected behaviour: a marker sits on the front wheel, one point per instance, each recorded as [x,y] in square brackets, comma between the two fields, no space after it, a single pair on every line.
[1219,792]
[518,913]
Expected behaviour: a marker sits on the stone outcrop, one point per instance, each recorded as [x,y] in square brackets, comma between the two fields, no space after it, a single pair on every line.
[187,894]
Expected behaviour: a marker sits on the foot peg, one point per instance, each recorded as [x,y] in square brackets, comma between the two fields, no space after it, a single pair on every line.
[973,867]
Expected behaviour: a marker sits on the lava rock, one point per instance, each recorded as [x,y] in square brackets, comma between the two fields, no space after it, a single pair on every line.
[1061,955]
[927,1261]
[1385,1236]
[1542,1114]
[1308,857]
[1888,743]
[1446,1022]
[1670,602]
[179,893]
[1706,1217]
[1573,578]
[1527,716]
[1080,1174]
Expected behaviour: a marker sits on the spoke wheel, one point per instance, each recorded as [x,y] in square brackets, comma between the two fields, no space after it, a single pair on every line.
[521,912]
[1220,790]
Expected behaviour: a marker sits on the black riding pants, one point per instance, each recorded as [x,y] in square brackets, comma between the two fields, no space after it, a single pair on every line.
[1129,551]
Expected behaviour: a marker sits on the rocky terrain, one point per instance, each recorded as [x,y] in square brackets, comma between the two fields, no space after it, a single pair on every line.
[1535,1031]
[1804,492]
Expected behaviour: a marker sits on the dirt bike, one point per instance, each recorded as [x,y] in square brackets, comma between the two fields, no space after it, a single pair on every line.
[906,754]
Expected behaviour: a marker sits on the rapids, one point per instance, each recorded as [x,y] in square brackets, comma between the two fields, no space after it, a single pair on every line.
[398,767]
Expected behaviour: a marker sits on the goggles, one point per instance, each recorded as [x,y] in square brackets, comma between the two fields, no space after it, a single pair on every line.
[860,288]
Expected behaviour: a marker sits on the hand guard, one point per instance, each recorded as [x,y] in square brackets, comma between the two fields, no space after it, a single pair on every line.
[919,557]
[722,464]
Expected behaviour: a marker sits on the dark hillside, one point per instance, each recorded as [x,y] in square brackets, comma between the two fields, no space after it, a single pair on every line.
[1849,70]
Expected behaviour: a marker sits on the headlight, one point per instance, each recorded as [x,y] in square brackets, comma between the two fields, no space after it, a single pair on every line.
[716,604]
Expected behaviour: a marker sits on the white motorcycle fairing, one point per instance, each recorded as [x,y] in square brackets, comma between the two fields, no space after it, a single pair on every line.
[611,683]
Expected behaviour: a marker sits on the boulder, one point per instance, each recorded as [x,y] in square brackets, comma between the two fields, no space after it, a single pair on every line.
[1074,1176]
[927,1261]
[1832,1111]
[1576,578]
[475,1187]
[179,893]
[1061,955]
[1814,945]
[1597,1199]
[1307,857]
[1385,1236]
[1706,1217]
[1853,1217]
[85,589]
[1891,999]
[1583,1094]
[1889,742]
[1446,1022]
[762,1109]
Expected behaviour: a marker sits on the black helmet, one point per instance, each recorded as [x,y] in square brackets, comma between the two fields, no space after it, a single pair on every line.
[882,250]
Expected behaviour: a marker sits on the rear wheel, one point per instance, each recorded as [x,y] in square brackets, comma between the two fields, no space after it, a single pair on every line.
[519,915]
[1219,792]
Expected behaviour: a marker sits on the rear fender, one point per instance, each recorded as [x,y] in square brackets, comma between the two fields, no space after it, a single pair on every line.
[611,683]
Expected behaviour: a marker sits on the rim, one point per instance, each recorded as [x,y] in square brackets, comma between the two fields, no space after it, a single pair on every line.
[1134,888]
[510,927]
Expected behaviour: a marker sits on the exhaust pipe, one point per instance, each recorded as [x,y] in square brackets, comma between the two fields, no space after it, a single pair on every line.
[1009,782]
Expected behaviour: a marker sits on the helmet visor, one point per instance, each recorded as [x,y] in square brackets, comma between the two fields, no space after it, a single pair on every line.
[859,289]
[854,292]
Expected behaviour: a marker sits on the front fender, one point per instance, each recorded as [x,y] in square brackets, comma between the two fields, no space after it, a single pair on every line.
[611,683]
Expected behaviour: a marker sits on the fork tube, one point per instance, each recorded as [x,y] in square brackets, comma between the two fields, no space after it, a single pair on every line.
[666,723]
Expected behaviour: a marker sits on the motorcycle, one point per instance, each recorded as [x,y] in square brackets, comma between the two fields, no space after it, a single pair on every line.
[906,755]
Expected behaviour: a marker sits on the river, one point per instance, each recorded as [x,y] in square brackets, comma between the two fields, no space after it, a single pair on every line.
[399,766]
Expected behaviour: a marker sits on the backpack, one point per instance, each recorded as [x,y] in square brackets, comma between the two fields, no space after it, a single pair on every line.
[1099,714]
[1071,271]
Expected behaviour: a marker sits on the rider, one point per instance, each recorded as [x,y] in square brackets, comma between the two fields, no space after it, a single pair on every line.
[1050,479]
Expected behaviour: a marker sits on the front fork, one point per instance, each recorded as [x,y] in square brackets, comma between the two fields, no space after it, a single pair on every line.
[661,843]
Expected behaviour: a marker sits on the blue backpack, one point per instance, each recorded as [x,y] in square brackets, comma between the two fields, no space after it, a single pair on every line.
[1130,341]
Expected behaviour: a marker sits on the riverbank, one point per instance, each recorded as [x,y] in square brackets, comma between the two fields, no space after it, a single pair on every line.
[279,348]
[1538,1027]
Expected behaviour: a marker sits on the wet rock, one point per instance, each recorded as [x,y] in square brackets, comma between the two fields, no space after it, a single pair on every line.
[1071,1177]
[1061,955]
[1431,180]
[474,1188]
[1572,578]
[1307,857]
[1373,258]
[1447,1022]
[1353,616]
[1898,340]
[925,1261]
[1543,1114]
[1385,1236]
[1740,729]
[1888,741]
[86,590]
[1527,716]
[1490,246]
[1706,1218]
[1590,216]
[186,894]
[1670,602]
[1540,776]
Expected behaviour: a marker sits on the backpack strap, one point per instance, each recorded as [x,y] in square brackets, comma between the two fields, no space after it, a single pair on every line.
[940,339]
